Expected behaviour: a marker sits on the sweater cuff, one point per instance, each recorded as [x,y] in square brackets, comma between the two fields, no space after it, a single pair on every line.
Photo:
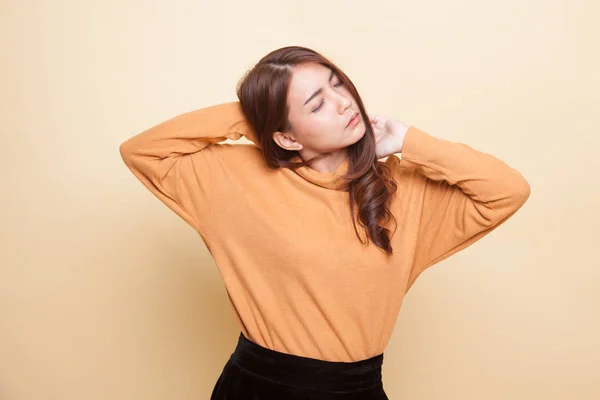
[414,140]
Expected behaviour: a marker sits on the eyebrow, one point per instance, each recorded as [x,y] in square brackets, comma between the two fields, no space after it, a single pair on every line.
[312,96]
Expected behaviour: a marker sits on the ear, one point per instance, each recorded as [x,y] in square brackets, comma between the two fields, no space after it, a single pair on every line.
[286,141]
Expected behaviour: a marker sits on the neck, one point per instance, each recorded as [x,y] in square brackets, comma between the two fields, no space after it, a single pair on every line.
[326,164]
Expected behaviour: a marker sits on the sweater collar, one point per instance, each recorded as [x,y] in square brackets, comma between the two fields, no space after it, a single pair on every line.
[329,180]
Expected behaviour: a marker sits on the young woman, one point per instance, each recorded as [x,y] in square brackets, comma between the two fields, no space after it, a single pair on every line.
[316,238]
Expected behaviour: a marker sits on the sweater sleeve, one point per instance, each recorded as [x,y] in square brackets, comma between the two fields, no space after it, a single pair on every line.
[173,159]
[465,195]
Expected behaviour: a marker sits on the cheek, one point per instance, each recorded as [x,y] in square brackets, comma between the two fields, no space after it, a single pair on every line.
[321,129]
[330,122]
[319,125]
[328,130]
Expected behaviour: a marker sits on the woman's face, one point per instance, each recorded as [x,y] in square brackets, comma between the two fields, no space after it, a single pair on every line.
[320,107]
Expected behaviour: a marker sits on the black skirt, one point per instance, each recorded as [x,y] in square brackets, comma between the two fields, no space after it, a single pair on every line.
[254,372]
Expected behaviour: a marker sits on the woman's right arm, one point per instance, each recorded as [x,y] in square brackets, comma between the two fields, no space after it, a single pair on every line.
[173,159]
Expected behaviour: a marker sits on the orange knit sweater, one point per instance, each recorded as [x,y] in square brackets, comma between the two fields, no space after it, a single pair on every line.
[297,277]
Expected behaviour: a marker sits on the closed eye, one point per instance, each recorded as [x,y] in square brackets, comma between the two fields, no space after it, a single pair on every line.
[340,83]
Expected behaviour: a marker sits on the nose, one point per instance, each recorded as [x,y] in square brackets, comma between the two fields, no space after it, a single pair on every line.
[343,103]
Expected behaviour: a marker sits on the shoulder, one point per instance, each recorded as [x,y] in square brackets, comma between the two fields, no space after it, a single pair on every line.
[399,166]
[238,158]
[235,150]
[405,172]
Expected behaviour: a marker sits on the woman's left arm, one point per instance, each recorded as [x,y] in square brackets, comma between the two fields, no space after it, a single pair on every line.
[462,193]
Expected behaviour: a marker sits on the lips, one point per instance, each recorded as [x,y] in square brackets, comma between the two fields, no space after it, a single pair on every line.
[352,119]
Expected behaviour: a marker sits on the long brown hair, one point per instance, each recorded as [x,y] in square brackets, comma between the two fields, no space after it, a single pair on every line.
[262,93]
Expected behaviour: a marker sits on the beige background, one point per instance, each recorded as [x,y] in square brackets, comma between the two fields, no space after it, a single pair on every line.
[106,294]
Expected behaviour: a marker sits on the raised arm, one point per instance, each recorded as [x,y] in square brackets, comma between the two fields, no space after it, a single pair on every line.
[172,159]
[463,194]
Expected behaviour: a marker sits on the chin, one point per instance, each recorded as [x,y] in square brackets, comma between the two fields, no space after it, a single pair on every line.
[355,137]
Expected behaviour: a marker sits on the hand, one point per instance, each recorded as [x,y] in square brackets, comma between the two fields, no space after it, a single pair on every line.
[389,135]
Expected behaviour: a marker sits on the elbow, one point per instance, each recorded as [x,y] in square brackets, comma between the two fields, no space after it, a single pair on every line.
[126,151]
[515,196]
[514,191]
[523,191]
[520,192]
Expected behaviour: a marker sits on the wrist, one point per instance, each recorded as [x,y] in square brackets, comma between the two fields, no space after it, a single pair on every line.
[401,131]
